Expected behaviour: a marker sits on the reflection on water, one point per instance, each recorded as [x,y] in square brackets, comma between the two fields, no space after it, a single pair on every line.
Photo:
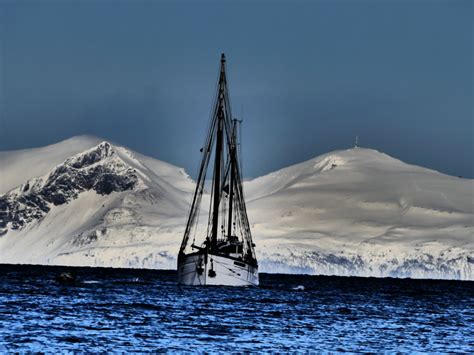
[124,310]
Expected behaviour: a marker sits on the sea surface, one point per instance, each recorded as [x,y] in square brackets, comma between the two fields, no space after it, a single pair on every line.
[142,310]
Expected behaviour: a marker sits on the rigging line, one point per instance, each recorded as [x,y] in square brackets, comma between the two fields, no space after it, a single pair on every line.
[223,205]
[212,114]
[227,169]
[227,94]
[211,207]
[226,91]
[209,125]
[196,225]
[229,132]
[212,111]
[228,112]
[196,212]
[240,146]
[244,216]
[204,163]
[211,212]
[212,119]
[221,196]
[200,185]
[248,234]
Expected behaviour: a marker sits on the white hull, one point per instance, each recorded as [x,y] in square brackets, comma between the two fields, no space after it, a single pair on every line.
[193,270]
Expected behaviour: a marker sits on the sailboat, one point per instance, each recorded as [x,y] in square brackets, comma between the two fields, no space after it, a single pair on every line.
[225,253]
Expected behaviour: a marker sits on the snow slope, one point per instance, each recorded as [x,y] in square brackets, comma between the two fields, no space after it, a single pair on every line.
[103,206]
[19,166]
[361,212]
[351,212]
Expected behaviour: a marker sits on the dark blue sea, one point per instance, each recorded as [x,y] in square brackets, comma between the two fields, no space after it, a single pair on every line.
[143,310]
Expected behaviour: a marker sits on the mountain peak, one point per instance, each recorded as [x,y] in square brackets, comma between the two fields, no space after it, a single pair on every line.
[91,156]
[97,169]
[358,153]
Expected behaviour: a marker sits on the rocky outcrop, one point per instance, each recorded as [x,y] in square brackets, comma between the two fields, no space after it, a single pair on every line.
[98,169]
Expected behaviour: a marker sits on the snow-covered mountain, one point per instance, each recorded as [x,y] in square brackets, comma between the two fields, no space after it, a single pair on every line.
[361,212]
[84,201]
[104,206]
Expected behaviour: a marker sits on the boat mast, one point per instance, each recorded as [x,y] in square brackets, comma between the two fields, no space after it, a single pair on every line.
[231,182]
[218,157]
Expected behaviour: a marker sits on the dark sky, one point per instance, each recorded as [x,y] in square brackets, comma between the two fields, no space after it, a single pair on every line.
[306,76]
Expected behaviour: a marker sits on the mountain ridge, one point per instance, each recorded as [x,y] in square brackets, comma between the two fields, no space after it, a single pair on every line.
[348,212]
